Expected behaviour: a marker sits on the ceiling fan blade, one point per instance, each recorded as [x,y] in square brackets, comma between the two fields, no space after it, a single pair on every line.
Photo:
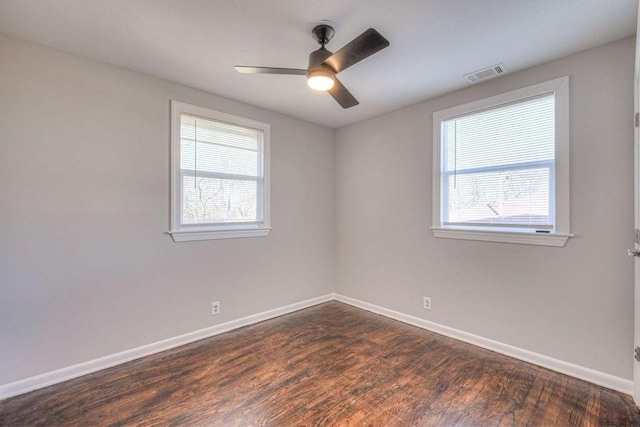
[342,95]
[363,46]
[269,70]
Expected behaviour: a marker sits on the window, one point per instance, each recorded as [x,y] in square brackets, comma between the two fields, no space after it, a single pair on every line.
[501,167]
[220,175]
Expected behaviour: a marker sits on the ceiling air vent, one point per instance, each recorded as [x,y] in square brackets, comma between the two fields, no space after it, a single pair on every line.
[485,73]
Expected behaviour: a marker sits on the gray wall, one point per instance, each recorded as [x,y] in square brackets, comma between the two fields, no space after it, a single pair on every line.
[86,269]
[573,303]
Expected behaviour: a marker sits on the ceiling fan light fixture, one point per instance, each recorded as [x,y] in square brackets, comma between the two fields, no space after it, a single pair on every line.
[320,80]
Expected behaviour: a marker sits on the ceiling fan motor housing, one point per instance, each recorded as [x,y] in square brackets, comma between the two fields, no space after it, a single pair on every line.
[316,59]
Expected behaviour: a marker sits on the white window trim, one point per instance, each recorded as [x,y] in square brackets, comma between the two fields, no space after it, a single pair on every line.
[557,237]
[185,233]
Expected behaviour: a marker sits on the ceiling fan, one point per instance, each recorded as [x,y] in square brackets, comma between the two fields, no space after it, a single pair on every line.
[324,64]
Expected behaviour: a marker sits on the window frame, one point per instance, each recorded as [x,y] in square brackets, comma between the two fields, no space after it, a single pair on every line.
[556,237]
[182,233]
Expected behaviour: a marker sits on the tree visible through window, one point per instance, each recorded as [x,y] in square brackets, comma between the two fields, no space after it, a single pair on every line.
[221,168]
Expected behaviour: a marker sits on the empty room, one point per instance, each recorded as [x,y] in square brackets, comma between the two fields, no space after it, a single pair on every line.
[328,213]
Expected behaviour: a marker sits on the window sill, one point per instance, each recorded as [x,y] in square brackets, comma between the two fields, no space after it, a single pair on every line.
[523,238]
[188,236]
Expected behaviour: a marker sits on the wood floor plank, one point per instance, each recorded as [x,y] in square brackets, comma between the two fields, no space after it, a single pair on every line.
[526,413]
[329,365]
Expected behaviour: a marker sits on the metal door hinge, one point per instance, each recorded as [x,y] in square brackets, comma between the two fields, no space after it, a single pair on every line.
[636,236]
[637,120]
[638,354]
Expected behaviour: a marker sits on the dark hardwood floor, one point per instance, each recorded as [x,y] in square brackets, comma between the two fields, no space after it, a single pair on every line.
[331,364]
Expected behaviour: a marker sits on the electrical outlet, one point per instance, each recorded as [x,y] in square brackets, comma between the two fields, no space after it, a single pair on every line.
[427,303]
[215,308]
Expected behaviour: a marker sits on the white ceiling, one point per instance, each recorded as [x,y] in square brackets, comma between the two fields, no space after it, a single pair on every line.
[433,42]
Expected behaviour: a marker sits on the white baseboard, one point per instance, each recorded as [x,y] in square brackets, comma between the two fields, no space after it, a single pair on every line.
[74,371]
[606,380]
[70,372]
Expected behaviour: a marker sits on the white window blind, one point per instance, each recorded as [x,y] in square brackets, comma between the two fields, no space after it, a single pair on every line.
[222,172]
[498,166]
